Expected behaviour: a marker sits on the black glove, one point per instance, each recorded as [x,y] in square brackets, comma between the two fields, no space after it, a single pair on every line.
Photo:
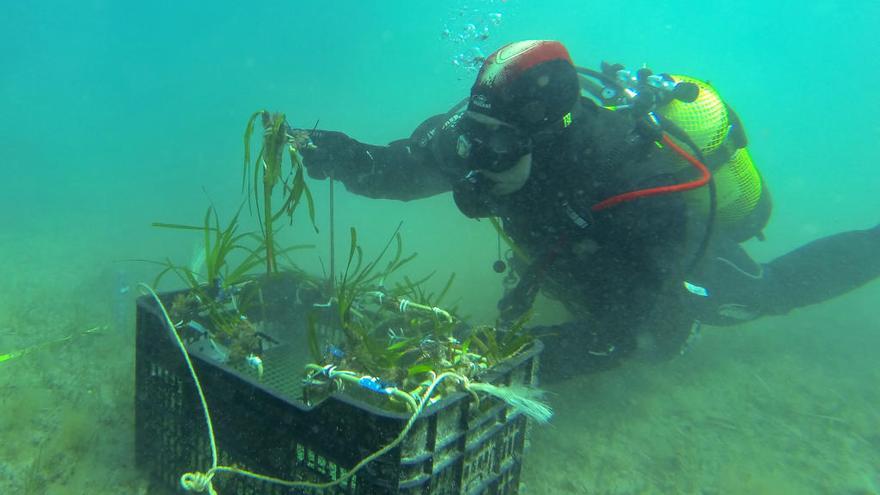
[326,152]
[519,299]
[317,165]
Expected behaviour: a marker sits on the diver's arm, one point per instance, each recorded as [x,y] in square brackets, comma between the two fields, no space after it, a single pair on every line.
[405,169]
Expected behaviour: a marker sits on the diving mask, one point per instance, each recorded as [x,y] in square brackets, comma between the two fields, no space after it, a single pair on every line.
[490,144]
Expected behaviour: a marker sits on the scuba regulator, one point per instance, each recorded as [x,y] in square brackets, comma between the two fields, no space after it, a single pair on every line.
[641,92]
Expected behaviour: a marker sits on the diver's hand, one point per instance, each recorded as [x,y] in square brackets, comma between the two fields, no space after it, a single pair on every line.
[301,140]
[323,152]
[512,307]
[518,300]
[314,158]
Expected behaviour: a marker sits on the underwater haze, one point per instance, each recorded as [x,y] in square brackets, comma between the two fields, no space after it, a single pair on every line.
[118,114]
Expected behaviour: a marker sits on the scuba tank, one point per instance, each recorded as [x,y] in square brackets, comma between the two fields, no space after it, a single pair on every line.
[694,116]
[743,202]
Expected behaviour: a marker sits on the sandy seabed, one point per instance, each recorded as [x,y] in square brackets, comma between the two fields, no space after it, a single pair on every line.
[783,405]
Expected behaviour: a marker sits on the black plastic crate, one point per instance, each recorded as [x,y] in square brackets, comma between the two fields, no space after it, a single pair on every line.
[262,425]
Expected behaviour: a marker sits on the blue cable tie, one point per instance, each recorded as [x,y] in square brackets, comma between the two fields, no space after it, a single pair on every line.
[375,384]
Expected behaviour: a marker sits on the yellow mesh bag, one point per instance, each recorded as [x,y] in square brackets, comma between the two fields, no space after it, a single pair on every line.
[705,119]
[738,187]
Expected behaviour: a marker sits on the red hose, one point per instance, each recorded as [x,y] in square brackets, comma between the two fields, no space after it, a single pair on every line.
[706,176]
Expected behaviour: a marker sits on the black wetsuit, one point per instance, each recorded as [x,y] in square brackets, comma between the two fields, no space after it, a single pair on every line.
[629,270]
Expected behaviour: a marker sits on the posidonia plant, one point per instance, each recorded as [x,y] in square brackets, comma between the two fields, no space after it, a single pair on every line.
[267,171]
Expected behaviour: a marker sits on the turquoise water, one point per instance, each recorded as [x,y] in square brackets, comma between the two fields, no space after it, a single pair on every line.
[119,114]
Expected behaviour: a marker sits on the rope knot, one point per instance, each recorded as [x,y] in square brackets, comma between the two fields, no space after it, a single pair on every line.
[198,482]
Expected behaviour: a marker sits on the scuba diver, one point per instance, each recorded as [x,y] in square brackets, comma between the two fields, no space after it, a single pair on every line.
[624,194]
